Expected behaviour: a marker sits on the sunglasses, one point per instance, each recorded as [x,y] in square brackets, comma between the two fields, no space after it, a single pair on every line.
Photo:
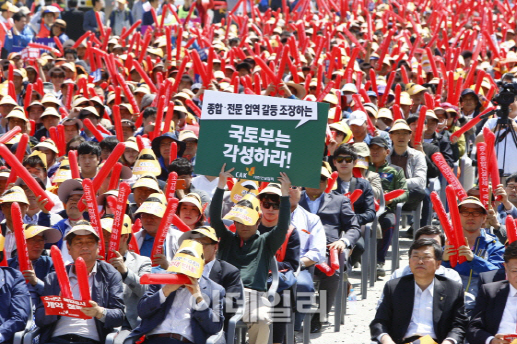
[57,76]
[347,159]
[268,205]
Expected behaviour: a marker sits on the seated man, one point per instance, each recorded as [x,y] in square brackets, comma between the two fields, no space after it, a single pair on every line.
[36,238]
[131,267]
[433,233]
[16,304]
[421,304]
[483,251]
[142,189]
[251,252]
[151,214]
[14,194]
[107,304]
[345,158]
[288,256]
[341,229]
[313,249]
[175,313]
[70,193]
[217,270]
[494,315]
[412,162]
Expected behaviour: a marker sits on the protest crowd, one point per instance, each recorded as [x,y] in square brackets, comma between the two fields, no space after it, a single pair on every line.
[210,171]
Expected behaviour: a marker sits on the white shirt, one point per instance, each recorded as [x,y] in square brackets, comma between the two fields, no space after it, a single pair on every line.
[10,242]
[508,322]
[67,258]
[202,183]
[81,327]
[180,315]
[422,317]
[313,243]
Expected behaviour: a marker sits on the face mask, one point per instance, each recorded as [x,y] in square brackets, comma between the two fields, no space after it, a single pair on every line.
[348,98]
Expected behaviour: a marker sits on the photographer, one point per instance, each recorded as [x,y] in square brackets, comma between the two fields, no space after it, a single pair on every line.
[505,145]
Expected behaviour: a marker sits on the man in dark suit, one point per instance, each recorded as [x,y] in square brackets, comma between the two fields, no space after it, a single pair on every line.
[74,21]
[492,276]
[15,300]
[219,271]
[345,159]
[107,304]
[494,314]
[175,313]
[340,223]
[421,304]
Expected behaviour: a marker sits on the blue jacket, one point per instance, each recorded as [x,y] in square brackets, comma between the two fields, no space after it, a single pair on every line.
[20,41]
[42,266]
[90,22]
[15,303]
[153,312]
[488,255]
[107,291]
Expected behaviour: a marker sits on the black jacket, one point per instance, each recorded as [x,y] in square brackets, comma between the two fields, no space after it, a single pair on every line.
[487,315]
[364,207]
[74,23]
[394,313]
[228,277]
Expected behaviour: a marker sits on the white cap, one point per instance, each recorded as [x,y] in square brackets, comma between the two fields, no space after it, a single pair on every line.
[357,118]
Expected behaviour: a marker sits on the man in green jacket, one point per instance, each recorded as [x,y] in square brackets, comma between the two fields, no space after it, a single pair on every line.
[249,251]
[392,178]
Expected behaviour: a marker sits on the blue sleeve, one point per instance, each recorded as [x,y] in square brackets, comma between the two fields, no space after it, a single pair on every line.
[90,23]
[8,43]
[17,300]
[131,20]
[494,260]
[211,319]
[25,37]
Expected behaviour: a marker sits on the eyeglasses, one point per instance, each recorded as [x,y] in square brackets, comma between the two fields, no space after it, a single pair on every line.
[511,187]
[424,259]
[473,213]
[268,205]
[347,159]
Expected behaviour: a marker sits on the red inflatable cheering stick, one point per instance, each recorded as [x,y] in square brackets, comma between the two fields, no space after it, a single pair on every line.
[166,222]
[21,243]
[118,220]
[446,224]
[62,277]
[82,279]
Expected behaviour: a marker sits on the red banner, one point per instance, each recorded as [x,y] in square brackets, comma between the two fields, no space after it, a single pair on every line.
[57,305]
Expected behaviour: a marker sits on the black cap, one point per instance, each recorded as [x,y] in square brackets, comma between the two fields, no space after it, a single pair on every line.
[379,141]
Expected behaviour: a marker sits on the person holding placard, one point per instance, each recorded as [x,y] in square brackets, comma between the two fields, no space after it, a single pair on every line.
[131,267]
[242,249]
[106,305]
